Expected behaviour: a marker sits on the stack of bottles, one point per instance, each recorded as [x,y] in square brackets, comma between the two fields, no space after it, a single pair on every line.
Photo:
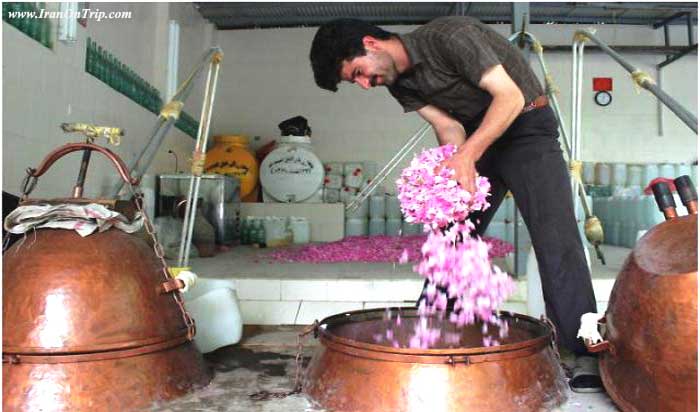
[274,231]
[379,214]
[502,226]
[615,179]
[117,75]
[38,29]
[619,201]
[344,180]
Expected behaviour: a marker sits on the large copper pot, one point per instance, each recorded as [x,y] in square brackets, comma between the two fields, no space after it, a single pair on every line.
[351,372]
[649,361]
[88,324]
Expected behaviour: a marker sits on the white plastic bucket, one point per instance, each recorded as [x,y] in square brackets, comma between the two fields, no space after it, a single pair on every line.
[301,229]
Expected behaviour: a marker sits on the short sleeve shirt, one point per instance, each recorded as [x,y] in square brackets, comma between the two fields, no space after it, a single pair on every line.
[449,55]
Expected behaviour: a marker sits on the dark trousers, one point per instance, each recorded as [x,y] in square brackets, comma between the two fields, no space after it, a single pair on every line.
[528,161]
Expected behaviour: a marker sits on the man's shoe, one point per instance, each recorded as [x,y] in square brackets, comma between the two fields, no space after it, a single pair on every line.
[586,376]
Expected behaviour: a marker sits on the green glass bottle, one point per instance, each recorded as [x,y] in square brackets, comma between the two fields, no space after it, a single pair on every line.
[88,56]
[15,8]
[35,24]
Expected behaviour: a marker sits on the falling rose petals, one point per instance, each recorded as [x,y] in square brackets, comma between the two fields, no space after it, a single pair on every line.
[456,265]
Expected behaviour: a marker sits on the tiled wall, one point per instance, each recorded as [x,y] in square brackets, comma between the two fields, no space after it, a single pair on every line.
[300,302]
[268,79]
[43,88]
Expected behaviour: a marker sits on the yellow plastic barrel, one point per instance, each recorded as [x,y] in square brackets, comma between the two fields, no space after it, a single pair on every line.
[230,156]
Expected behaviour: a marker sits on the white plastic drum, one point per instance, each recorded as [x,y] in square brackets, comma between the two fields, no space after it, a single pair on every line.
[291,174]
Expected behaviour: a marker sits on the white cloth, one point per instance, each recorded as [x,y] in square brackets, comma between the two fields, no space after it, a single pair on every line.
[189,278]
[84,219]
[589,327]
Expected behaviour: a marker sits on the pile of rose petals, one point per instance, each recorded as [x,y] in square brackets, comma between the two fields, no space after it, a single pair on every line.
[436,199]
[370,249]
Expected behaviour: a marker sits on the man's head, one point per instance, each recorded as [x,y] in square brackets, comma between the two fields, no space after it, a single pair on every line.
[351,50]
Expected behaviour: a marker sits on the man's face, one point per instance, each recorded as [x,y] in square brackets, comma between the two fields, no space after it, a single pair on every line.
[376,68]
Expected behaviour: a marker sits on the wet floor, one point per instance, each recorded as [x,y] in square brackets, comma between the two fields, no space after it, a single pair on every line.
[258,375]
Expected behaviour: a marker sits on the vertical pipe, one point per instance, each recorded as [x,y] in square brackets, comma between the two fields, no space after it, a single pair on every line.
[173,58]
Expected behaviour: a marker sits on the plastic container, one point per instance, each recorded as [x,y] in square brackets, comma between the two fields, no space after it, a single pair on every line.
[276,233]
[292,173]
[393,227]
[411,229]
[371,169]
[301,230]
[667,170]
[333,168]
[347,194]
[377,226]
[393,207]
[333,182]
[355,226]
[603,174]
[377,206]
[683,169]
[496,229]
[619,176]
[331,195]
[231,156]
[635,175]
[218,317]
[354,180]
[651,172]
[351,168]
[362,211]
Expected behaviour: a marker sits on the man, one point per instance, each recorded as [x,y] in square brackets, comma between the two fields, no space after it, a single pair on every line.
[479,93]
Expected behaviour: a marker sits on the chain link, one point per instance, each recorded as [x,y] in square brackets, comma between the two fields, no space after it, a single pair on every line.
[298,361]
[158,249]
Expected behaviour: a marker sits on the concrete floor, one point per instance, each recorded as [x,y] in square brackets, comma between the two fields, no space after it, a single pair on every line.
[264,361]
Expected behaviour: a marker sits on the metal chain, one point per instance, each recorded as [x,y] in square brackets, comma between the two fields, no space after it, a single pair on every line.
[158,249]
[555,338]
[298,360]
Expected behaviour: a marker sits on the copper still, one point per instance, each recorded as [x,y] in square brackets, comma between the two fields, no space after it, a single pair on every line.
[92,323]
[351,372]
[648,360]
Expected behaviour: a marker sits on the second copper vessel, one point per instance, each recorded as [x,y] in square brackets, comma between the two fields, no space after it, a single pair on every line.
[351,372]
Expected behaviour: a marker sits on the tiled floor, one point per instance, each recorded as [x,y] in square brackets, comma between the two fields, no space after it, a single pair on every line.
[264,361]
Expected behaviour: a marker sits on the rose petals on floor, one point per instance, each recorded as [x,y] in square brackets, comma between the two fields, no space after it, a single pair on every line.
[369,249]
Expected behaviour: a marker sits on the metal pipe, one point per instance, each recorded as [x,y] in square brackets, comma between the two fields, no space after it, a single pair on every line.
[198,158]
[388,168]
[688,118]
[163,124]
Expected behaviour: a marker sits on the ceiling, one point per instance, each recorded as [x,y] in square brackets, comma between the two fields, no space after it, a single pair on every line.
[232,16]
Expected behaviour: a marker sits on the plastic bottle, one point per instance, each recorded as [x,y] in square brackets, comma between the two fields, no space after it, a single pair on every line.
[377,226]
[393,226]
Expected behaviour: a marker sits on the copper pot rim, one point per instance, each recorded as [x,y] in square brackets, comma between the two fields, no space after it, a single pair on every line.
[97,348]
[424,355]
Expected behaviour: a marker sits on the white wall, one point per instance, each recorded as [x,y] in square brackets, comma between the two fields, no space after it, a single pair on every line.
[266,78]
[43,88]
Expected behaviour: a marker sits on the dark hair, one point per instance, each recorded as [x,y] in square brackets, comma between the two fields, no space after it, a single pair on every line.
[336,41]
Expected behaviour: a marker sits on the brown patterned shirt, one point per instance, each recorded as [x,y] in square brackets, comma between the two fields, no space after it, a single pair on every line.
[449,55]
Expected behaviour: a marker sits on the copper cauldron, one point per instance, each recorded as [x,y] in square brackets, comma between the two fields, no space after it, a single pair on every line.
[88,324]
[648,360]
[351,372]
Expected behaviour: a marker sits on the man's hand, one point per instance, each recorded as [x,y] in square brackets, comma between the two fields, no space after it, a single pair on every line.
[464,164]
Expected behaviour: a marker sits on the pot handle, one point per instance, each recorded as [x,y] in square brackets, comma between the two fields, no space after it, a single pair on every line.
[589,333]
[33,174]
